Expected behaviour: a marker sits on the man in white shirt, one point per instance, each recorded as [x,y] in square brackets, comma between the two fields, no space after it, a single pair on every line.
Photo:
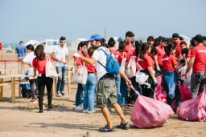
[60,55]
[106,88]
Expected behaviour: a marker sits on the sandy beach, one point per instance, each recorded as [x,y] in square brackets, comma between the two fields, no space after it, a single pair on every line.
[20,118]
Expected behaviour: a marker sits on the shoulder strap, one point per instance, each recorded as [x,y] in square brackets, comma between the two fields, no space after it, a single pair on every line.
[100,62]
[104,51]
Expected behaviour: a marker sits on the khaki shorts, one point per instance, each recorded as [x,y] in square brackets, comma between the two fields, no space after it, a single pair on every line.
[106,89]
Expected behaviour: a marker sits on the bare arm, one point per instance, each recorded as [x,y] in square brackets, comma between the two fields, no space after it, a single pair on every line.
[54,57]
[88,60]
[67,58]
[156,62]
[190,64]
[151,72]
[125,77]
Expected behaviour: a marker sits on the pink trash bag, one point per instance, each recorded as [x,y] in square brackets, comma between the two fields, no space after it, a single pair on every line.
[159,93]
[148,113]
[193,109]
[185,92]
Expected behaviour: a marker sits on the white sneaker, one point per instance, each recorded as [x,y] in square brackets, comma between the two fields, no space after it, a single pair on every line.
[78,108]
[85,110]
[91,111]
[59,94]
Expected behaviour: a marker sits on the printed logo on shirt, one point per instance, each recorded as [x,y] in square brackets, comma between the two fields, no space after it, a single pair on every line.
[139,59]
[201,51]
[165,59]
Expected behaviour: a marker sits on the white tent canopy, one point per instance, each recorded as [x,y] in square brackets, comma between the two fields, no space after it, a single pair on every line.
[33,42]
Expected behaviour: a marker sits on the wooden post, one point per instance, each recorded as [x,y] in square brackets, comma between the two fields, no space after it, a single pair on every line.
[13,84]
[54,87]
[69,81]
[1,88]
[19,87]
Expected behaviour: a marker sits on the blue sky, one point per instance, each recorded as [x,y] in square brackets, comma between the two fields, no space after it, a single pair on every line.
[40,19]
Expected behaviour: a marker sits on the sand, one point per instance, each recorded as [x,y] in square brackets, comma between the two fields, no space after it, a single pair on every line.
[19,118]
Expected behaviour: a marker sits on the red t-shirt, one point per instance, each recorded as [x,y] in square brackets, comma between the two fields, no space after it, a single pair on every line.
[146,62]
[189,53]
[1,45]
[160,54]
[79,62]
[120,55]
[40,65]
[90,67]
[129,49]
[168,62]
[199,52]
[178,49]
[113,51]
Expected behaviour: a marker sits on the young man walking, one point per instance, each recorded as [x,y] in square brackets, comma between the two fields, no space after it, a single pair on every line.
[197,64]
[60,56]
[106,88]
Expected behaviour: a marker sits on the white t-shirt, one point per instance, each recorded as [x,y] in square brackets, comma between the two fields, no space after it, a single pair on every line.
[29,58]
[61,54]
[100,56]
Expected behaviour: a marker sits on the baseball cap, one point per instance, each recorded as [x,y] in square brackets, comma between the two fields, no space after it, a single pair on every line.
[95,37]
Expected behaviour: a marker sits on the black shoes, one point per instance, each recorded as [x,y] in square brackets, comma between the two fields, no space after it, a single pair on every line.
[106,129]
[40,111]
[124,126]
[50,108]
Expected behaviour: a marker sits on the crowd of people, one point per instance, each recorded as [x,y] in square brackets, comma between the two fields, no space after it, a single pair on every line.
[157,57]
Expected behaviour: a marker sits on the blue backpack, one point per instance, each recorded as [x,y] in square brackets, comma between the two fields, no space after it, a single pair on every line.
[112,65]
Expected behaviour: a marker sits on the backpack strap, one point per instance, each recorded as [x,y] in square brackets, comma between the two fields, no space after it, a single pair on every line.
[100,62]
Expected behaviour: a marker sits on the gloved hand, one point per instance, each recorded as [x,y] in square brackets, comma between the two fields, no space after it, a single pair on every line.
[76,55]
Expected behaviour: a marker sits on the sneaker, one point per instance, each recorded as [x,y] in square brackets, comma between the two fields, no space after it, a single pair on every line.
[85,111]
[62,93]
[124,126]
[58,94]
[33,100]
[91,111]
[78,108]
[40,111]
[50,108]
[106,129]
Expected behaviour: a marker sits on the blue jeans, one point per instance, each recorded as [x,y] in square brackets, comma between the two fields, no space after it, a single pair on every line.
[89,92]
[124,91]
[79,95]
[170,82]
[118,83]
[61,79]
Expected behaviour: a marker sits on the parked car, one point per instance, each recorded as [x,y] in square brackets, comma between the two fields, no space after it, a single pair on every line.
[7,48]
[50,45]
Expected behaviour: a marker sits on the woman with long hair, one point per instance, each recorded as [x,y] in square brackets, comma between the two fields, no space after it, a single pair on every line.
[39,64]
[147,66]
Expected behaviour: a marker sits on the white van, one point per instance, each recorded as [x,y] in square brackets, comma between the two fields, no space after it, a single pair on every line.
[50,45]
